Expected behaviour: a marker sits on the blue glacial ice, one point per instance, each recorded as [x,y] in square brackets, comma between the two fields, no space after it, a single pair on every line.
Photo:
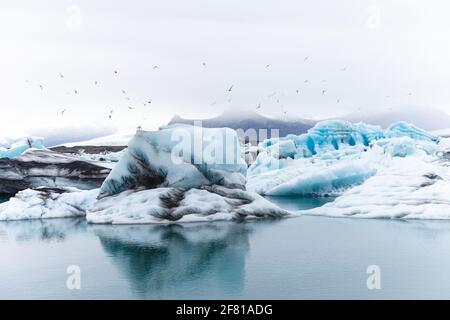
[333,156]
[21,146]
[403,129]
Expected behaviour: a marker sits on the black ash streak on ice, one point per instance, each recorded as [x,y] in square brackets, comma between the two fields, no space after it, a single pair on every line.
[45,168]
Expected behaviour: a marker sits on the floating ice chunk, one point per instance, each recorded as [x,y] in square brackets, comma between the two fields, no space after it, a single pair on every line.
[303,177]
[179,156]
[44,168]
[404,129]
[19,147]
[165,205]
[408,188]
[42,203]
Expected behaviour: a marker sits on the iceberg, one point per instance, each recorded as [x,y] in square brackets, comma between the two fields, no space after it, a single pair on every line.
[333,156]
[42,203]
[179,156]
[158,179]
[302,177]
[19,147]
[404,129]
[407,188]
[44,168]
[166,205]
[162,179]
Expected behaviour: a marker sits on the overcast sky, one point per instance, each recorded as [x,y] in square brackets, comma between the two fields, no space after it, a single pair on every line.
[366,54]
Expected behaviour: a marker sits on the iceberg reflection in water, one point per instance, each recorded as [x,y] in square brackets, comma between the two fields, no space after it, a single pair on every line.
[158,260]
[294,258]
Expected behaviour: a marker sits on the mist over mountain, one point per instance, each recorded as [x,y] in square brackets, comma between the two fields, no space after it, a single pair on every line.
[430,119]
[426,118]
[251,120]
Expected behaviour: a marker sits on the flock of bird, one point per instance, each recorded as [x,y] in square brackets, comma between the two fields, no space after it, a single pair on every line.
[111,112]
[229,90]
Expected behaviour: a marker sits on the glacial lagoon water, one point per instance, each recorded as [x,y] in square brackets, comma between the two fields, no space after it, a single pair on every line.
[295,258]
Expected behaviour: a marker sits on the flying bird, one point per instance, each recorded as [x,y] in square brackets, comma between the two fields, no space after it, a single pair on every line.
[63,111]
[306,58]
[306,81]
[155,67]
[95,83]
[40,86]
[75,91]
[61,75]
[116,72]
[231,88]
[204,64]
[267,65]
[298,91]
[259,106]
[324,91]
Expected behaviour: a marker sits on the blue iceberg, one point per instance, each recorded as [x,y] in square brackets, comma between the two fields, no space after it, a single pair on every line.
[21,146]
[333,156]
[404,129]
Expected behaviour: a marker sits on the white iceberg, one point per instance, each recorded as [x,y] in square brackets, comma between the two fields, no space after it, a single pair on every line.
[165,205]
[161,178]
[179,156]
[42,203]
[407,188]
[152,184]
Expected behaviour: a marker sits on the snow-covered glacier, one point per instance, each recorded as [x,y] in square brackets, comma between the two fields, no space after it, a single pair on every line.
[332,157]
[179,174]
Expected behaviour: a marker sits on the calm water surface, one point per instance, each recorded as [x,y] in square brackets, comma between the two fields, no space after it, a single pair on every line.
[295,258]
